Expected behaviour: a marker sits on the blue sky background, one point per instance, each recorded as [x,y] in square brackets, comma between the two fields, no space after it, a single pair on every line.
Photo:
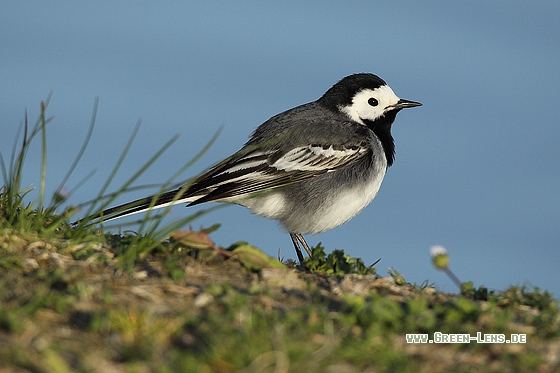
[477,167]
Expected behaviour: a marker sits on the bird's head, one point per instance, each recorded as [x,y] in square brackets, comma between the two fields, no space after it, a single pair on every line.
[366,99]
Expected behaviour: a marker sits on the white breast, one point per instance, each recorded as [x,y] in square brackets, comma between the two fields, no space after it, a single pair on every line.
[347,204]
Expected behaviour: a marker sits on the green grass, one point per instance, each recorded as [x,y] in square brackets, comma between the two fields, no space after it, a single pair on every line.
[83,299]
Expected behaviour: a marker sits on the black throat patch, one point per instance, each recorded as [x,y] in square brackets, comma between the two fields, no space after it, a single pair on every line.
[382,129]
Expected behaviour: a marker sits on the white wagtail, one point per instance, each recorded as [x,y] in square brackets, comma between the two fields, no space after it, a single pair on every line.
[312,168]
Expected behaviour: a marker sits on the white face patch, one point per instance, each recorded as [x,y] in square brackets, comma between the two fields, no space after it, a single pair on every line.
[370,103]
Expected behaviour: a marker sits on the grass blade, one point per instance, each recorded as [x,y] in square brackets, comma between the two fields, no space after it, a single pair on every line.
[55,202]
[43,158]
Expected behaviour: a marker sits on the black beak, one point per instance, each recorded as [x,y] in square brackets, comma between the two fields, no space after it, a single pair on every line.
[402,104]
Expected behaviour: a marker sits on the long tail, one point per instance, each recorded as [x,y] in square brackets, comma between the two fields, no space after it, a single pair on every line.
[140,205]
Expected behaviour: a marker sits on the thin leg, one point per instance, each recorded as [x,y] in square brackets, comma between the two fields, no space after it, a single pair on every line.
[305,246]
[294,238]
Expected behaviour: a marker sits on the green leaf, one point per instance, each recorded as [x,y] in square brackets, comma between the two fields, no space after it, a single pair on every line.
[254,259]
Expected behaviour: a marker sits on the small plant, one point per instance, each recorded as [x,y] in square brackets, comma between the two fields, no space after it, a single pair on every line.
[336,263]
[482,293]
[14,211]
[528,296]
[440,260]
[396,276]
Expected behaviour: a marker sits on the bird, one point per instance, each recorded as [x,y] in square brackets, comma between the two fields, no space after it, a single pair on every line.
[311,168]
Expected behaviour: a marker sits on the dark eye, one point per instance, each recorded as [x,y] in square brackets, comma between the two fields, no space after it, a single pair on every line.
[373,102]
